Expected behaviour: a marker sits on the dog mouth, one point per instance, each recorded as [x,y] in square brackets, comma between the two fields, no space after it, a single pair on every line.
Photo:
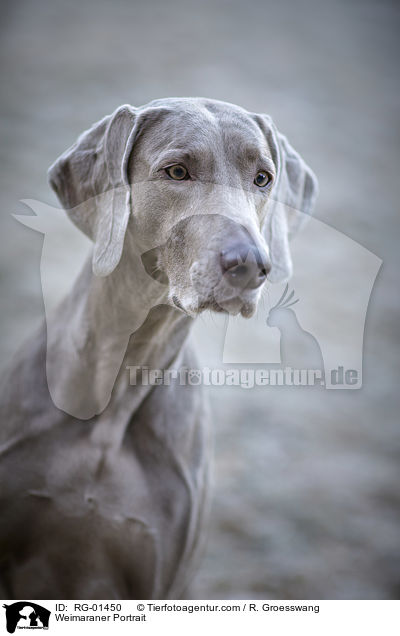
[232,306]
[209,289]
[178,303]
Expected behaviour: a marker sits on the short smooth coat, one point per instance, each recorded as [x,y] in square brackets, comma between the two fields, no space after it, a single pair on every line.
[104,484]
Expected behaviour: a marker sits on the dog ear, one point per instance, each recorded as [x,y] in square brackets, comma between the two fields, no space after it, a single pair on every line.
[91,182]
[292,200]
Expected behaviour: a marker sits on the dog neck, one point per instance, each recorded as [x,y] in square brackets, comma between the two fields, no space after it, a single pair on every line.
[103,326]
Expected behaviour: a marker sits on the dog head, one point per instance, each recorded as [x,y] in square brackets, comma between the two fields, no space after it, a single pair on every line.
[208,193]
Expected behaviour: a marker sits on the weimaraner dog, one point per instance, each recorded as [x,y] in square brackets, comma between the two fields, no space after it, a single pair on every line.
[190,204]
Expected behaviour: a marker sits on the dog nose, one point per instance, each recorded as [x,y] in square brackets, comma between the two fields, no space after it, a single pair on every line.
[245,265]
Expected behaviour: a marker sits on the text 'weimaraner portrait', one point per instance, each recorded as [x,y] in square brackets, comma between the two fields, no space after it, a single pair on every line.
[190,204]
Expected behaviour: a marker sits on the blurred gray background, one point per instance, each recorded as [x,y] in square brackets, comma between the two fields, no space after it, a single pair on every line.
[306,482]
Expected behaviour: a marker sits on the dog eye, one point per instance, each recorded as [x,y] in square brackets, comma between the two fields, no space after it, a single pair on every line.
[177,172]
[262,179]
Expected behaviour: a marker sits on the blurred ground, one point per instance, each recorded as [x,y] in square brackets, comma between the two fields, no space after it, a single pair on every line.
[306,493]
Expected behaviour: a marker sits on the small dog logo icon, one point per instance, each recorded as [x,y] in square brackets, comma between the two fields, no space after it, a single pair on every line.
[26,615]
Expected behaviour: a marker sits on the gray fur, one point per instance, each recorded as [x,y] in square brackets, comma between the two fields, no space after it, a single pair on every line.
[104,484]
